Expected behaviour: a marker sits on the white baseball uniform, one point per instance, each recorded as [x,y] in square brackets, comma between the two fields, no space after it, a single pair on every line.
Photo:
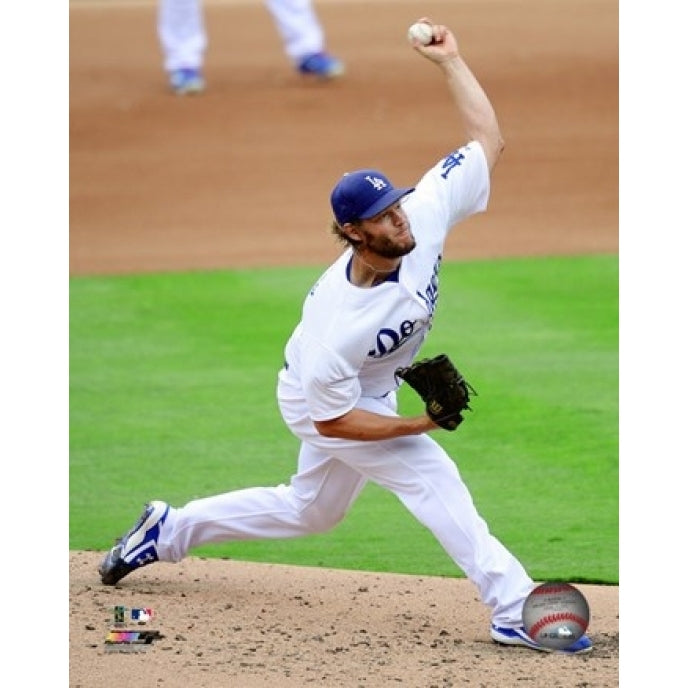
[183,37]
[343,355]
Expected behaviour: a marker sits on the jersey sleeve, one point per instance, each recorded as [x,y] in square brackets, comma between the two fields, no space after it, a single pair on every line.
[456,187]
[330,384]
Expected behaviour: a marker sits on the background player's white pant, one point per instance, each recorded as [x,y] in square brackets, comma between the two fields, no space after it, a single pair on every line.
[331,473]
[183,37]
[298,27]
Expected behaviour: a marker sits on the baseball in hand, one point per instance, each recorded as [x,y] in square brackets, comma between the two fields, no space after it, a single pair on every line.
[421,32]
[556,615]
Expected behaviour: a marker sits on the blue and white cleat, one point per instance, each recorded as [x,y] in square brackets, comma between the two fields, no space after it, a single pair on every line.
[321,65]
[518,636]
[137,548]
[186,81]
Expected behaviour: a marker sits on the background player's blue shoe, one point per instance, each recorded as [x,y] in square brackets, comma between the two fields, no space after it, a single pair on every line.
[186,81]
[137,548]
[322,65]
[518,636]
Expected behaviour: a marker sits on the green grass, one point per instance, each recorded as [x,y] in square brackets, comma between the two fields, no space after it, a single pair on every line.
[172,396]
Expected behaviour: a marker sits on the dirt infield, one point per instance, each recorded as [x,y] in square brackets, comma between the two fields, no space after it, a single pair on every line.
[239,177]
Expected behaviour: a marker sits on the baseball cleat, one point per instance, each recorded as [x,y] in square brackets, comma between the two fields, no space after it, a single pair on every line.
[186,81]
[322,65]
[518,636]
[137,548]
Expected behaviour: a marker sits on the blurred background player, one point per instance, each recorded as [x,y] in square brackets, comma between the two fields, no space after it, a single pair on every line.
[183,39]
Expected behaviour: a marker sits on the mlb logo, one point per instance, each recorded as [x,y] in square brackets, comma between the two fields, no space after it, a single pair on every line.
[142,615]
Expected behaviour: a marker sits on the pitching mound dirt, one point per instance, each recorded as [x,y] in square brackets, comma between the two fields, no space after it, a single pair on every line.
[230,623]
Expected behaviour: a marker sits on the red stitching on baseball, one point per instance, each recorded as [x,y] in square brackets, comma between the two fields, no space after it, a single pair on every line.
[553,618]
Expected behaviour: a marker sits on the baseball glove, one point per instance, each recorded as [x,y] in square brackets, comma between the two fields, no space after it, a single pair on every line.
[442,387]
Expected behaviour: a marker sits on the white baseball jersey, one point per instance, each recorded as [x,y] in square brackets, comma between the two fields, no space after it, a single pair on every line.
[351,340]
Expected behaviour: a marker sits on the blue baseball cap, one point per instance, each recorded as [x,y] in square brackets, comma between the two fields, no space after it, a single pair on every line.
[362,194]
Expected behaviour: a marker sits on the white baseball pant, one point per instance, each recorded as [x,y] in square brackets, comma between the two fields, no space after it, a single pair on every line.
[330,475]
[183,37]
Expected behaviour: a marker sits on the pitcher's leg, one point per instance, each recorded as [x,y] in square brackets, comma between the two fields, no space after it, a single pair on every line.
[316,499]
[464,534]
[428,483]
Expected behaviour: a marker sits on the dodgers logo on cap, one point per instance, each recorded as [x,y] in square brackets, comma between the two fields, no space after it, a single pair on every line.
[363,194]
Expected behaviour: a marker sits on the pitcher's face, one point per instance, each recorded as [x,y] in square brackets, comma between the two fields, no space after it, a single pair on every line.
[388,234]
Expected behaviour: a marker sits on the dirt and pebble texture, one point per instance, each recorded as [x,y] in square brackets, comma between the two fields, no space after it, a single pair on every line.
[240,177]
[229,623]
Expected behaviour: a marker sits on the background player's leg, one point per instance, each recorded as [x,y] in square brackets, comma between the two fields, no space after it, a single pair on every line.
[298,27]
[182,34]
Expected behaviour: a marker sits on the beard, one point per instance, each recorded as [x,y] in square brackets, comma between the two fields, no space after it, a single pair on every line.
[389,247]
